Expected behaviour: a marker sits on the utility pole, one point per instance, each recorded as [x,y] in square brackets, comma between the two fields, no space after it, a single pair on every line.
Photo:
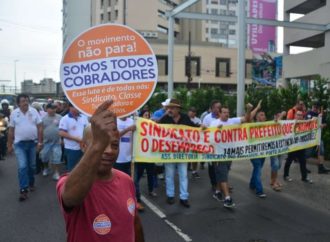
[189,75]
[124,10]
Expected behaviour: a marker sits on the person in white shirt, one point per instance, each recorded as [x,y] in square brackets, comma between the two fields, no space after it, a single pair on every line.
[222,168]
[194,165]
[126,127]
[206,122]
[71,128]
[25,135]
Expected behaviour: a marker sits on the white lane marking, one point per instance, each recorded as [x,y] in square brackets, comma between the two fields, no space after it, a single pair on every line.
[184,236]
[162,215]
[153,207]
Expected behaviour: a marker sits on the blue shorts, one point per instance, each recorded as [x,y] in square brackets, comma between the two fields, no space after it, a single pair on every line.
[276,162]
[51,152]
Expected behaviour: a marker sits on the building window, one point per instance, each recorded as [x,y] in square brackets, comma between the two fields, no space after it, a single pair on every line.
[222,67]
[102,17]
[162,61]
[162,29]
[214,1]
[223,2]
[161,14]
[102,3]
[109,16]
[195,66]
[214,31]
[207,30]
[232,13]
[214,11]
[223,12]
[232,31]
[109,3]
[116,12]
[248,69]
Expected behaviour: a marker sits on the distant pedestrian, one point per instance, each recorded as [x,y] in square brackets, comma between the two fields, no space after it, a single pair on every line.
[215,107]
[318,112]
[298,107]
[25,137]
[222,168]
[126,127]
[175,116]
[140,167]
[51,151]
[298,155]
[71,129]
[257,163]
[192,113]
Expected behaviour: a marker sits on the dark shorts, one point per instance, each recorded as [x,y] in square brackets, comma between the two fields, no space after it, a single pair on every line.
[222,170]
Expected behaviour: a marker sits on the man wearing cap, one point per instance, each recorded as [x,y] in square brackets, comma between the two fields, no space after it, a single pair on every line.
[175,116]
[51,150]
[157,115]
[72,127]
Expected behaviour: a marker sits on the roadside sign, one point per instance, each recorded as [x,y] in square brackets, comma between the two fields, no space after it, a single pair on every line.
[109,61]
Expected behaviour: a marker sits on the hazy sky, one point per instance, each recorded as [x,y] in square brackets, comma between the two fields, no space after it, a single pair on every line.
[31,34]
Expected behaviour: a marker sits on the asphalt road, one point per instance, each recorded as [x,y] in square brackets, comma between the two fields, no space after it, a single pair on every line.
[301,212]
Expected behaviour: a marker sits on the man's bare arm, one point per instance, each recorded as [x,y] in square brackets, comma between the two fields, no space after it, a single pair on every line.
[10,139]
[247,117]
[139,236]
[81,179]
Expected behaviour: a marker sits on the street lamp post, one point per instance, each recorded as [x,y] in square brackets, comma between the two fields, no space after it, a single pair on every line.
[15,61]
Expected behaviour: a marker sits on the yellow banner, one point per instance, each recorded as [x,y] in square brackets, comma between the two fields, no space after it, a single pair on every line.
[163,143]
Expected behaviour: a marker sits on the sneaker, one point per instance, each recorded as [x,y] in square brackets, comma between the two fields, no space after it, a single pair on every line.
[23,195]
[139,207]
[288,179]
[56,176]
[228,203]
[161,176]
[170,200]
[45,172]
[195,175]
[308,171]
[218,196]
[261,195]
[307,180]
[185,203]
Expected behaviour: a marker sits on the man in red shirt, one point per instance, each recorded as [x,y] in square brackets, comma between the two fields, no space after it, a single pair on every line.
[98,202]
[298,107]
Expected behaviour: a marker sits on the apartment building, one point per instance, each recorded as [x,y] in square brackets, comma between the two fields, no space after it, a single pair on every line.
[305,66]
[211,64]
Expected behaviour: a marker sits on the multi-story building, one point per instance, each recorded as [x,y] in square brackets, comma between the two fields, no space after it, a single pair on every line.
[220,32]
[305,66]
[148,17]
[46,85]
[151,21]
[210,64]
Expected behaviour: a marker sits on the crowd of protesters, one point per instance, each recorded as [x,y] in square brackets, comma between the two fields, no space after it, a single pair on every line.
[57,133]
